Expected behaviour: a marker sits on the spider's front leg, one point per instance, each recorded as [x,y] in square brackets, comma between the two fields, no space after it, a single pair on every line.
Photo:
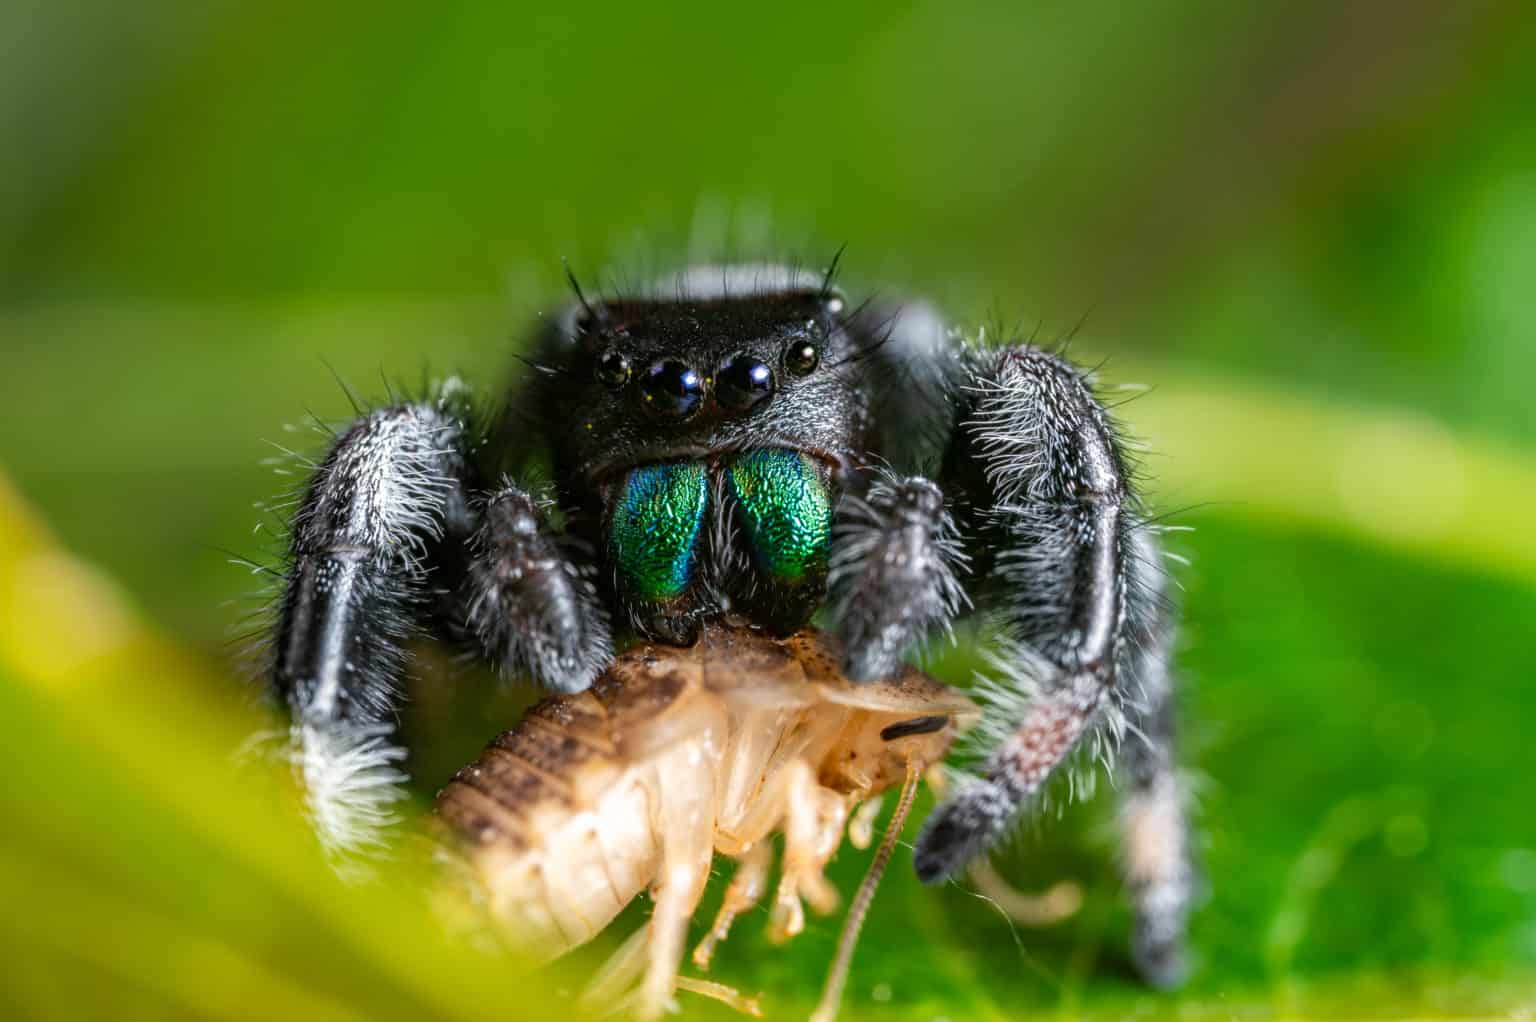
[385,525]
[531,609]
[357,573]
[895,561]
[892,575]
[1062,557]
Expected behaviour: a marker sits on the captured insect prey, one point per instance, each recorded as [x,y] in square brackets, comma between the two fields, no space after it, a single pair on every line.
[677,482]
[672,756]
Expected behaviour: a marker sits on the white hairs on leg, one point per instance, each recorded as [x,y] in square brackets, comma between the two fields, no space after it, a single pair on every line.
[351,782]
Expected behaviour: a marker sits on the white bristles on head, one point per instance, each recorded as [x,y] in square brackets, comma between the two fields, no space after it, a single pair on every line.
[737,280]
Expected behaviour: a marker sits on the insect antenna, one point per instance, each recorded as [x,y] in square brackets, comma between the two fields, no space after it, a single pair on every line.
[837,976]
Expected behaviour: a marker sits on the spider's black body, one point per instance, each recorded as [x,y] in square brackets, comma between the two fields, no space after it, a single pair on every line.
[740,440]
[603,423]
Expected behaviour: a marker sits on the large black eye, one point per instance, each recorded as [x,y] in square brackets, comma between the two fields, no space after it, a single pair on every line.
[672,389]
[802,357]
[743,382]
[612,368]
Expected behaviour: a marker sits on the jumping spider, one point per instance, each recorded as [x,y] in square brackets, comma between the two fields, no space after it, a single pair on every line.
[741,439]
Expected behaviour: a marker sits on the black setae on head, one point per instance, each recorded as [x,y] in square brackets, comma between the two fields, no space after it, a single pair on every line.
[713,361]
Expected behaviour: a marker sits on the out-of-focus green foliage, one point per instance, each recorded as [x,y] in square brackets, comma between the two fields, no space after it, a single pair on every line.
[154,863]
[1310,228]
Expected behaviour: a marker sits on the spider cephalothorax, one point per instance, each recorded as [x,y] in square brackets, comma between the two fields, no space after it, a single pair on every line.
[744,441]
[700,442]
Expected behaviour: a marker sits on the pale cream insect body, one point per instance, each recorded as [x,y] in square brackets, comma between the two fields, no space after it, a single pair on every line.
[674,755]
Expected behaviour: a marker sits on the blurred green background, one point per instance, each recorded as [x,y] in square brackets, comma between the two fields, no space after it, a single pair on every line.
[1309,228]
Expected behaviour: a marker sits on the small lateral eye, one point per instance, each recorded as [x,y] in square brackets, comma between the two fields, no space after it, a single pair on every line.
[613,368]
[802,357]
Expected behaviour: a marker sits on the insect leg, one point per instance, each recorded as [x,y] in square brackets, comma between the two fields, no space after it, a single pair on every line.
[615,975]
[685,824]
[813,828]
[356,580]
[530,608]
[1060,901]
[1054,525]
[745,890]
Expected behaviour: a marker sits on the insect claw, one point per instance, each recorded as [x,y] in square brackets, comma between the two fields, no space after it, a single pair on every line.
[861,829]
[705,952]
[821,894]
[788,917]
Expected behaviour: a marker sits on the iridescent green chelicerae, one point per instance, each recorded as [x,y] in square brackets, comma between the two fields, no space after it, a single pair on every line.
[655,528]
[785,510]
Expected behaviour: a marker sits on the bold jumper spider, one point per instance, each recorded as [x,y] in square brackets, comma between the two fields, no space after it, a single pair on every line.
[740,439]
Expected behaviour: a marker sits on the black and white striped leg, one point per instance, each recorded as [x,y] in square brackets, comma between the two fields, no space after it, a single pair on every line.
[532,610]
[1156,854]
[1052,523]
[892,576]
[355,589]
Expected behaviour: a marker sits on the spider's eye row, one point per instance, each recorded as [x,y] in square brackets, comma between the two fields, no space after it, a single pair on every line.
[802,357]
[613,368]
[744,382]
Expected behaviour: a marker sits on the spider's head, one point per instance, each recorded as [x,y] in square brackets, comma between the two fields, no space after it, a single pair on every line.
[713,361]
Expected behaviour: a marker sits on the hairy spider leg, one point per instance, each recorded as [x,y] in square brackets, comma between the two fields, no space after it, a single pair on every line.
[386,526]
[1048,540]
[355,584]
[529,608]
[1156,859]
